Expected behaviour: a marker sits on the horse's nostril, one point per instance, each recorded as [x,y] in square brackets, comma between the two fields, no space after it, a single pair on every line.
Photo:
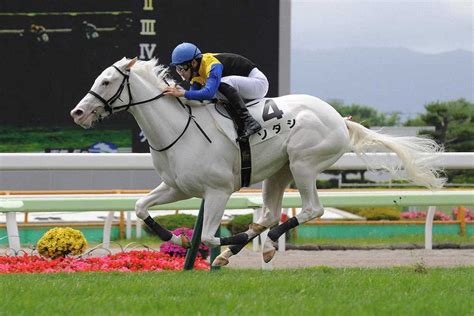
[77,113]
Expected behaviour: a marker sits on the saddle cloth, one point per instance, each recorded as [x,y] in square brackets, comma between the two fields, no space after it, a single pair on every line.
[266,111]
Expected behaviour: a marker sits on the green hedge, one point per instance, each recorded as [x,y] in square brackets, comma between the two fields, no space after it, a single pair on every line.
[376,213]
[37,138]
[240,223]
[327,184]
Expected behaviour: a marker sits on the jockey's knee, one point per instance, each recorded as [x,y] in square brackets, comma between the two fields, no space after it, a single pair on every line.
[309,213]
[141,209]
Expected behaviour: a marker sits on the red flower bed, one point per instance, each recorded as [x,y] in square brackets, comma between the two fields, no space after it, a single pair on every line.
[468,214]
[125,262]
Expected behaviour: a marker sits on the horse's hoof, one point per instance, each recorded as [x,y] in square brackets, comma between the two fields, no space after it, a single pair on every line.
[220,262]
[268,256]
[185,242]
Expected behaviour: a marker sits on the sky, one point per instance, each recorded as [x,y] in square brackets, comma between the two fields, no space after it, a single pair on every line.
[427,26]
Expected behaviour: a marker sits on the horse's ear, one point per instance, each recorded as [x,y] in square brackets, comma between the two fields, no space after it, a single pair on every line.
[131,63]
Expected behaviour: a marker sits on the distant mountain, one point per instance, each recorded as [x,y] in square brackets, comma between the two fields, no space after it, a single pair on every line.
[388,79]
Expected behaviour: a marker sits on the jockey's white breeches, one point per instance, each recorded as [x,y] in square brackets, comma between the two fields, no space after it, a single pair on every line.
[254,86]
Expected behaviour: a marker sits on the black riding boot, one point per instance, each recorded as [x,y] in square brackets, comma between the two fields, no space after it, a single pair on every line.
[246,124]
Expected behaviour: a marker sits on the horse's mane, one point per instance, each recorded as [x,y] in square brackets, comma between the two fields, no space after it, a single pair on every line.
[154,72]
[157,74]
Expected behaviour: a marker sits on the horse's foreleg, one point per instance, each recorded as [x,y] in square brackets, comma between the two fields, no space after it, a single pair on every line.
[214,207]
[161,195]
[273,189]
[239,240]
[253,232]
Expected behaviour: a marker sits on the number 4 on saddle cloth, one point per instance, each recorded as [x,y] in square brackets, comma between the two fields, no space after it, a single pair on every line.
[276,119]
[270,113]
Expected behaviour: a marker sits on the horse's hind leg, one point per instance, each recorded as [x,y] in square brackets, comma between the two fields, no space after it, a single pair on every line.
[161,195]
[304,173]
[273,189]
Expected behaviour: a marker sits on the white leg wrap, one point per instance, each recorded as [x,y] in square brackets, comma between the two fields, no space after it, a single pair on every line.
[255,229]
[176,240]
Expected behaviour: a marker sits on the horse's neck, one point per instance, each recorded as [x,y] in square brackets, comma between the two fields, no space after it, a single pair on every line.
[161,120]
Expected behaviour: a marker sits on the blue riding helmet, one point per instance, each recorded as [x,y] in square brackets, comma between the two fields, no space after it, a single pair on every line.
[185,52]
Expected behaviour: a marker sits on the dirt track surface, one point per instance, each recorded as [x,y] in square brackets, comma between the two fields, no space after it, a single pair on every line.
[376,258]
[247,259]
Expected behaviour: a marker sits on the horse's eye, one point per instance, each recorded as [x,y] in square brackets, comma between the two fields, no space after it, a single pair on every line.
[105,83]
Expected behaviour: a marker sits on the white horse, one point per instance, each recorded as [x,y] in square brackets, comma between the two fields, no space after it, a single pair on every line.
[195,154]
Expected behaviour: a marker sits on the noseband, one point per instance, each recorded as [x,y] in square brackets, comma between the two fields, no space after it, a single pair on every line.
[126,80]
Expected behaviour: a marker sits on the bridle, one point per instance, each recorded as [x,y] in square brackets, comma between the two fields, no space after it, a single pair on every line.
[126,80]
[116,96]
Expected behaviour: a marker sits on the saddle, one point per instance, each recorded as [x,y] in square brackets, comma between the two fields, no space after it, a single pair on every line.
[266,111]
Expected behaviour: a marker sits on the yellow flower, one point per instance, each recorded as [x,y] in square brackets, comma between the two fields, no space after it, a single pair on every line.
[61,241]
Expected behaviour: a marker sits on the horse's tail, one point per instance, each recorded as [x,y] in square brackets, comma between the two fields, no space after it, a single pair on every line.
[417,154]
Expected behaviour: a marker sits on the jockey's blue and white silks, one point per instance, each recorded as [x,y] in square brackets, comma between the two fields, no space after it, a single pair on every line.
[205,85]
[235,70]
[254,86]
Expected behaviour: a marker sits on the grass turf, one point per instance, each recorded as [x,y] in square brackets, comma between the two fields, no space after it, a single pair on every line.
[317,291]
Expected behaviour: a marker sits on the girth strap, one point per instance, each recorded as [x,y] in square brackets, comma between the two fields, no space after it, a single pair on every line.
[245,163]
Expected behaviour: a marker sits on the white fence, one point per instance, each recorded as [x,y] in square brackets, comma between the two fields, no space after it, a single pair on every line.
[87,161]
[24,162]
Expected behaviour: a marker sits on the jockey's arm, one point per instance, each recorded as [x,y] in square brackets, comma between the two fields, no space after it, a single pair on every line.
[195,86]
[210,88]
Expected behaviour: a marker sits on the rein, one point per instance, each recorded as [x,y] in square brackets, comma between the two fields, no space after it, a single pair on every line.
[126,80]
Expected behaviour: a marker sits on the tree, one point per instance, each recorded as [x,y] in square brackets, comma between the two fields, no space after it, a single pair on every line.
[366,115]
[453,122]
[454,129]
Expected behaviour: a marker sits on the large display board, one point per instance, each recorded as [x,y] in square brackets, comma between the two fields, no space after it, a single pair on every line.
[53,50]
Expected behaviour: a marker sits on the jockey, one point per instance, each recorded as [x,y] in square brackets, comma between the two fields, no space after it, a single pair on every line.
[233,75]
